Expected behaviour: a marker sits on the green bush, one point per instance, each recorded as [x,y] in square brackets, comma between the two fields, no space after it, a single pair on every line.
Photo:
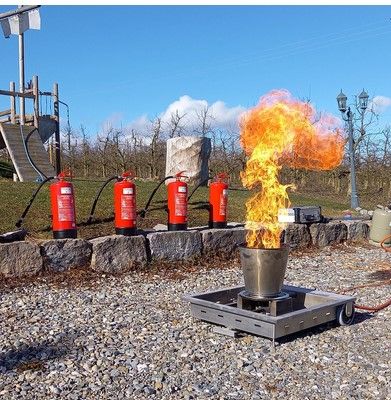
[6,169]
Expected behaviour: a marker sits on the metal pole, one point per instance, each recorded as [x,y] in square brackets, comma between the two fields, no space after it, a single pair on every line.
[36,101]
[57,131]
[21,9]
[12,103]
[21,78]
[354,196]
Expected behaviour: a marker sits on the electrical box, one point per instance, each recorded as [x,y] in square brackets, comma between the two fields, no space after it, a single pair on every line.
[300,215]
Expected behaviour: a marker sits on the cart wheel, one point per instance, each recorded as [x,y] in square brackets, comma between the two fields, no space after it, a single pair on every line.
[345,314]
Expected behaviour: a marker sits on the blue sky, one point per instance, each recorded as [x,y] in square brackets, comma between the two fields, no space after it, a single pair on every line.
[125,62]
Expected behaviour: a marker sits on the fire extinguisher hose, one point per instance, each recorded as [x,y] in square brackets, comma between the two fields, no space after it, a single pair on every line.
[144,210]
[198,186]
[20,220]
[105,183]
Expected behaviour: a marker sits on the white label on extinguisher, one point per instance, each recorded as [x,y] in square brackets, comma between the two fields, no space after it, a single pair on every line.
[65,208]
[127,191]
[128,209]
[181,204]
[182,189]
[66,190]
[223,202]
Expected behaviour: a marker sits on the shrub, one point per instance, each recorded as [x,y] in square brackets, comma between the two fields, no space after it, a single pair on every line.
[6,169]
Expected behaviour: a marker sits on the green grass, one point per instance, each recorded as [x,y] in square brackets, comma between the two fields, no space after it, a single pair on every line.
[15,196]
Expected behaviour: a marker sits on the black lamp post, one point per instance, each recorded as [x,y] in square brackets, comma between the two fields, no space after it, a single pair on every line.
[342,106]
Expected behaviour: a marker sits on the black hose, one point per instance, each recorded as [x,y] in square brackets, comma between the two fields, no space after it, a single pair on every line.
[28,153]
[20,220]
[144,210]
[196,188]
[97,197]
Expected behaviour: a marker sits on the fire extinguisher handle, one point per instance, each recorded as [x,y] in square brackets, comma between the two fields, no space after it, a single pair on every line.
[180,175]
[128,174]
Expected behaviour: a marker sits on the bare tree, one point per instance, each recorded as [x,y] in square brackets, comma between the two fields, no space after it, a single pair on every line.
[204,119]
[156,132]
[104,139]
[364,122]
[86,150]
[175,126]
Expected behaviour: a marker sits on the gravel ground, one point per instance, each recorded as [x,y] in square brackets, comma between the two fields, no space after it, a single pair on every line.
[131,336]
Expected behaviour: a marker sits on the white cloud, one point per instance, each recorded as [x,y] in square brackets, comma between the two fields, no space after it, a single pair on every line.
[380,104]
[222,116]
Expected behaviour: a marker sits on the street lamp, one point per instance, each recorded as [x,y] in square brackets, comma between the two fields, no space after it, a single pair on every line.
[342,106]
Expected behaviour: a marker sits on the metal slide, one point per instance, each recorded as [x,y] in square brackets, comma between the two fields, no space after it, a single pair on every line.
[12,136]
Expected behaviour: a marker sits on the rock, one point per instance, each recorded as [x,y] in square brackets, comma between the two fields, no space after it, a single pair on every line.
[190,154]
[14,236]
[63,254]
[118,253]
[160,227]
[225,241]
[357,230]
[20,259]
[327,234]
[297,236]
[174,245]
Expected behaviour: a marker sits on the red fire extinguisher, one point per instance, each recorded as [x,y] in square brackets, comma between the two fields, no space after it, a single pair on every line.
[218,201]
[177,203]
[125,205]
[63,208]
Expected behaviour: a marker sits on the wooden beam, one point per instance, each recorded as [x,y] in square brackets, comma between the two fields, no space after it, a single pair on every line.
[36,101]
[5,112]
[12,103]
[16,94]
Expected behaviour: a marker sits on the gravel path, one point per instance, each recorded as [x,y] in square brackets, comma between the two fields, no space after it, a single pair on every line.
[133,337]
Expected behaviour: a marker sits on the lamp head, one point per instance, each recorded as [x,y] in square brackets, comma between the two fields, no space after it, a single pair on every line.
[341,100]
[363,100]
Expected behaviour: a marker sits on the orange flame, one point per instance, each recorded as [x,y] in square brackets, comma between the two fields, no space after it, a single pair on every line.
[282,131]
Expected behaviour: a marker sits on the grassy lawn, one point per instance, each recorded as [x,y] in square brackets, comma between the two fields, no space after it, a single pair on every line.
[15,196]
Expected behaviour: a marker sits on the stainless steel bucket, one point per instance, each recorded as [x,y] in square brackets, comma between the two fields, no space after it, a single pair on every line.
[264,271]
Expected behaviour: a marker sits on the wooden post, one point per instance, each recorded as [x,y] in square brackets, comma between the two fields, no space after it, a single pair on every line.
[36,101]
[21,79]
[57,131]
[51,151]
[12,103]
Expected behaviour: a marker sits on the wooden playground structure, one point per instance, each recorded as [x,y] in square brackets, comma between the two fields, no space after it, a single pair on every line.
[24,135]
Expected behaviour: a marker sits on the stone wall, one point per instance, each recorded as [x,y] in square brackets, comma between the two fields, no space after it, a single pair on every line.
[120,253]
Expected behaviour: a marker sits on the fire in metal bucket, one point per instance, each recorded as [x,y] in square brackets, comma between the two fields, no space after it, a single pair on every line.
[281,131]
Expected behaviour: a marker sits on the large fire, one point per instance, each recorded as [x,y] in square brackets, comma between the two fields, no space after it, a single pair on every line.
[281,131]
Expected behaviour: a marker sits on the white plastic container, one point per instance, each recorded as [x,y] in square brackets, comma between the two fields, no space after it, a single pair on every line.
[381,227]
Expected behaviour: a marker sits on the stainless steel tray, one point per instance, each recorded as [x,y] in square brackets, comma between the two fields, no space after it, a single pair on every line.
[310,308]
